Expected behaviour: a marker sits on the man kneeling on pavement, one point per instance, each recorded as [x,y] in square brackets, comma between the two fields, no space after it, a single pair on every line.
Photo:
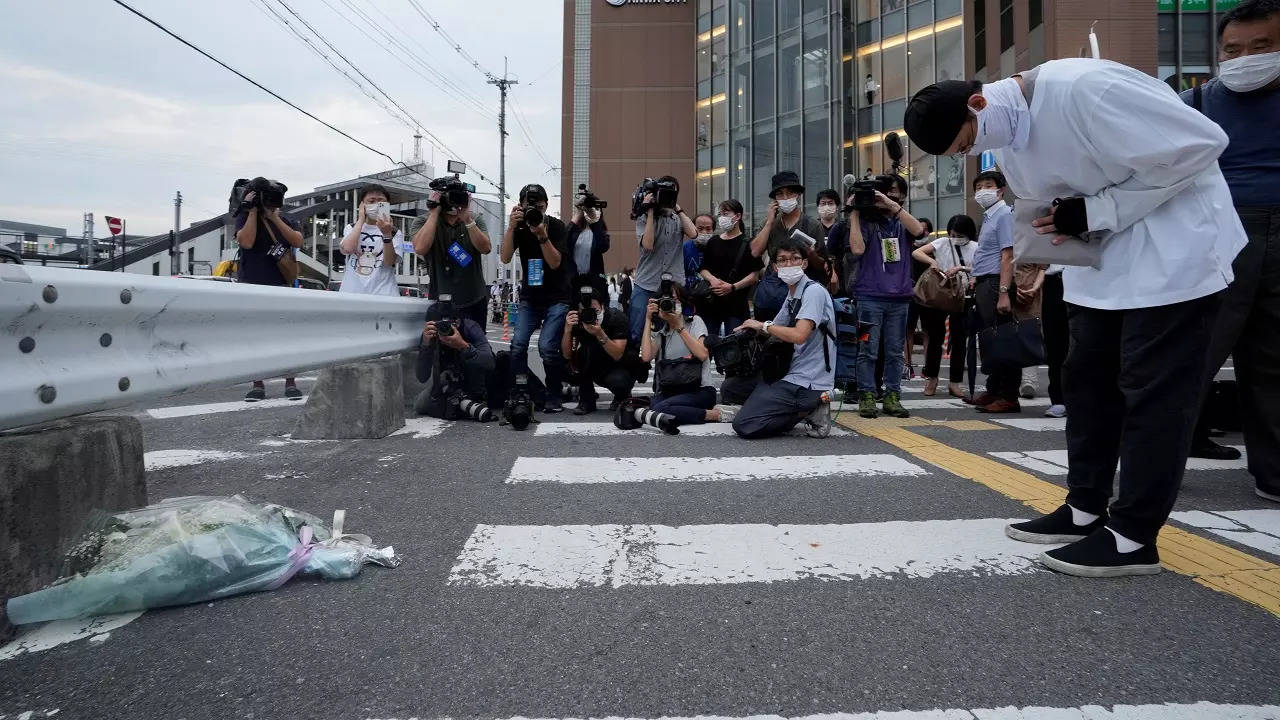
[456,361]
[595,342]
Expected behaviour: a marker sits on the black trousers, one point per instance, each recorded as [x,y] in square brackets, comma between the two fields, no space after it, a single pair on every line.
[1053,323]
[935,330]
[600,369]
[1001,382]
[1125,383]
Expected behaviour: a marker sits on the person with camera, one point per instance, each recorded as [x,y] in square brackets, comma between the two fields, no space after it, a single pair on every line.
[807,324]
[951,257]
[451,240]
[267,240]
[881,236]
[661,229]
[728,265]
[542,243]
[456,362]
[370,246]
[786,216]
[588,236]
[595,342]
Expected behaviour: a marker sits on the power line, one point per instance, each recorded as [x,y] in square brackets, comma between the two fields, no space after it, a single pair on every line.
[453,43]
[528,134]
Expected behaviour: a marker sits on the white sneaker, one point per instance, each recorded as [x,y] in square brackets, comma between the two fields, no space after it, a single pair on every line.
[819,421]
[1056,411]
[1029,382]
[728,412]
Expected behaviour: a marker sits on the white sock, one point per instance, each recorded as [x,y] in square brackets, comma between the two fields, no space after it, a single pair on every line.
[1080,517]
[1124,544]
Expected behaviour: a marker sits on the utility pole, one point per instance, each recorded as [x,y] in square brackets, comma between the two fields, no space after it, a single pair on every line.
[504,84]
[86,246]
[175,249]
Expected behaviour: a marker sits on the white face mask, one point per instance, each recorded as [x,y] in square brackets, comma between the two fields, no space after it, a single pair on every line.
[724,222]
[1250,72]
[1005,121]
[986,197]
[826,212]
[788,205]
[377,211]
[958,239]
[702,238]
[791,274]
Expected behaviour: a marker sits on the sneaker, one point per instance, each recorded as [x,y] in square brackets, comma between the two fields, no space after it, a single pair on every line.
[584,408]
[1001,406]
[292,392]
[728,412]
[1054,528]
[819,421]
[552,406]
[1029,381]
[1096,556]
[867,405]
[893,405]
[1273,496]
[1056,411]
[256,393]
[1210,450]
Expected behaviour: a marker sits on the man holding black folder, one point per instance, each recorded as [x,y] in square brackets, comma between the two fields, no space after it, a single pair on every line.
[1122,159]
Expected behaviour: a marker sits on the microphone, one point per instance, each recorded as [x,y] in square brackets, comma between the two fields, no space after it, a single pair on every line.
[893,145]
[848,181]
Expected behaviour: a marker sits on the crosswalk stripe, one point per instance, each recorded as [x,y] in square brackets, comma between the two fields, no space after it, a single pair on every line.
[1034,424]
[165,459]
[574,556]
[1054,462]
[178,411]
[601,470]
[1167,711]
[1258,529]
[603,429]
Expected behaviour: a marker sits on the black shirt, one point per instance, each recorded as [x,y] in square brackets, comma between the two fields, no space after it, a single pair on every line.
[730,261]
[258,263]
[616,326]
[554,285]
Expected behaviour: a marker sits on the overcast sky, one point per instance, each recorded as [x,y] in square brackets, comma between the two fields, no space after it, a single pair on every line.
[104,113]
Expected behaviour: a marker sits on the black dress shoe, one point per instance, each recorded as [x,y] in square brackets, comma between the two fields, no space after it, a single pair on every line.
[1210,450]
[1056,527]
[584,408]
[1097,556]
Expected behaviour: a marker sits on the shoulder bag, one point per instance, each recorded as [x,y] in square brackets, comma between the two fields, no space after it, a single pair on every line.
[286,263]
[677,376]
[935,290]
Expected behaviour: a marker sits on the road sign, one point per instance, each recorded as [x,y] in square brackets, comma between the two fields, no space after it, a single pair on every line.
[986,161]
[116,225]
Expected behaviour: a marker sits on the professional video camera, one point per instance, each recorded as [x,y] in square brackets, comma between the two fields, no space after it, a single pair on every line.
[518,411]
[454,194]
[588,200]
[864,191]
[587,314]
[736,355]
[666,298]
[664,196]
[267,195]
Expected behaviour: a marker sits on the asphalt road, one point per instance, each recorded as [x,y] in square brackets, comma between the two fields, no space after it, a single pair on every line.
[888,587]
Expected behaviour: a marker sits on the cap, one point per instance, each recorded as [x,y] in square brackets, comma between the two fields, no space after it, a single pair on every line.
[533,191]
[936,114]
[786,179]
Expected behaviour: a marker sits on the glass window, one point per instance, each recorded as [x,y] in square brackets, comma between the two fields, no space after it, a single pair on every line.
[1167,31]
[704,194]
[922,176]
[740,90]
[866,9]
[790,78]
[717,16]
[950,54]
[815,10]
[868,32]
[1006,24]
[979,34]
[740,166]
[718,84]
[867,65]
[893,23]
[919,64]
[704,63]
[950,176]
[948,8]
[718,55]
[949,208]
[817,64]
[762,19]
[718,124]
[893,112]
[894,83]
[762,169]
[719,190]
[1035,14]
[888,6]
[1196,43]
[704,22]
[703,138]
[919,14]
[704,88]
[718,159]
[788,14]
[817,152]
[868,122]
[870,156]
[763,83]
[790,139]
[738,23]
[704,158]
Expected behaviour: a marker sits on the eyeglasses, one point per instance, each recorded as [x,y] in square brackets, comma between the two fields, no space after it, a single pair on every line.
[789,261]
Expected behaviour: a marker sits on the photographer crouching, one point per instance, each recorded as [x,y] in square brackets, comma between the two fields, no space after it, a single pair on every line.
[595,342]
[796,390]
[456,362]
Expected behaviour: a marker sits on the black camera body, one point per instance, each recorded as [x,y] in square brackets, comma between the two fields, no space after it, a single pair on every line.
[665,193]
[666,300]
[533,217]
[518,410]
[267,195]
[454,194]
[738,354]
[588,200]
[447,325]
[864,194]
[587,314]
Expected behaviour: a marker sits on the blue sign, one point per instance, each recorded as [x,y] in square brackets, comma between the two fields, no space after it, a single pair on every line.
[459,254]
[986,161]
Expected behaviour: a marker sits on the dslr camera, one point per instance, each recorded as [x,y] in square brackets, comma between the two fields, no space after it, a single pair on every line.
[736,355]
[588,200]
[666,300]
[587,314]
[518,411]
[664,196]
[447,325]
[267,195]
[533,216]
[454,194]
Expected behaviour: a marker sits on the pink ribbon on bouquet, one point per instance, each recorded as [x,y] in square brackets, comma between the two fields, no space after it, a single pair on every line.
[298,557]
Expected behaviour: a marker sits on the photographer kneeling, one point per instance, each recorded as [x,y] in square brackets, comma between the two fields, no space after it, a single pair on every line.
[455,358]
[806,321]
[595,341]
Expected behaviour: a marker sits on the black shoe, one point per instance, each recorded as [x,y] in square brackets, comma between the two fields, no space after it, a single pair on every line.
[1054,528]
[584,408]
[292,392]
[1096,556]
[1210,450]
[552,406]
[1267,494]
[255,394]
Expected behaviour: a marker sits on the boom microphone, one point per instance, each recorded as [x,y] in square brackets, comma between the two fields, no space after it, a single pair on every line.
[848,181]
[893,145]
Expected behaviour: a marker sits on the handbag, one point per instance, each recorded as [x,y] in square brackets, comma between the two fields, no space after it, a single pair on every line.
[679,375]
[701,290]
[1014,344]
[287,263]
[935,290]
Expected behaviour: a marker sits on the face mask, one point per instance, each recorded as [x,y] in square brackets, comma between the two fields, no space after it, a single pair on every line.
[1250,72]
[702,239]
[958,239]
[788,205]
[790,275]
[724,222]
[986,198]
[1005,121]
[826,212]
[378,211]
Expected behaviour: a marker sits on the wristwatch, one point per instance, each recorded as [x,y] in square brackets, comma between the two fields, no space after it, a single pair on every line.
[767,324]
[1004,288]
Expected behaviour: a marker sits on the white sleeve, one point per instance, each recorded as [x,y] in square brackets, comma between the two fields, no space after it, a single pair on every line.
[1164,144]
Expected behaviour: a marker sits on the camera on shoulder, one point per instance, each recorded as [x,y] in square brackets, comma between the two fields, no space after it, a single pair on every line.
[267,195]
[665,193]
[454,194]
[588,200]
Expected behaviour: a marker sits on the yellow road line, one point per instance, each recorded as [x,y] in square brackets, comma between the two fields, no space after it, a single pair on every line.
[1212,564]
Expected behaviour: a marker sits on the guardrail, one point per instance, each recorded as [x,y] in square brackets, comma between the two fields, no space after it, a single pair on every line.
[79,341]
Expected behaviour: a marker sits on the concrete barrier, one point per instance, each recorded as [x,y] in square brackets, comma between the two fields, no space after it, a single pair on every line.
[51,478]
[363,400]
[409,377]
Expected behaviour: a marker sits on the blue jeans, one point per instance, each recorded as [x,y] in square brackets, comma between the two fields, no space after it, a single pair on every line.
[888,318]
[551,320]
[688,408]
[639,303]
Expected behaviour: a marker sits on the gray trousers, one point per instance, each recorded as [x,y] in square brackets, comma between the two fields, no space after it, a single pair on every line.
[1248,329]
[774,408]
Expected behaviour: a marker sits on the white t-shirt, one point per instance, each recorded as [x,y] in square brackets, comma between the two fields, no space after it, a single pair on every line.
[365,273]
[945,255]
[676,348]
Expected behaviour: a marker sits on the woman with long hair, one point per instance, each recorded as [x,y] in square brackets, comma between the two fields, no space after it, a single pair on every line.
[728,265]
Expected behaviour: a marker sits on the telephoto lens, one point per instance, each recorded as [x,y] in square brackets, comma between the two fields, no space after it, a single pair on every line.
[667,305]
[533,217]
[445,328]
[477,411]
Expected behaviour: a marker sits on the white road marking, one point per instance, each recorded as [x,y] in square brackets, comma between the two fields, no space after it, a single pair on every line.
[597,429]
[165,459]
[1033,424]
[1168,711]
[178,411]
[1258,529]
[38,638]
[422,427]
[593,470]
[939,403]
[1054,462]
[574,556]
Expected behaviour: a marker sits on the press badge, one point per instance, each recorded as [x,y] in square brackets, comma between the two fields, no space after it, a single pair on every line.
[889,249]
[535,273]
[459,255]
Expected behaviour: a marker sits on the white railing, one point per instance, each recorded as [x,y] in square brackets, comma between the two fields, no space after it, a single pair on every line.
[79,341]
